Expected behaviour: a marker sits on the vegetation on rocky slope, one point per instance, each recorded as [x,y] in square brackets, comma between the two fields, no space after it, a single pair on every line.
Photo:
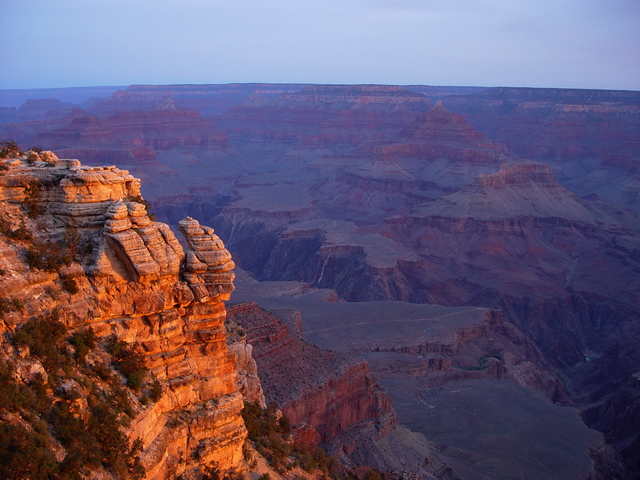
[68,418]
[66,397]
[270,432]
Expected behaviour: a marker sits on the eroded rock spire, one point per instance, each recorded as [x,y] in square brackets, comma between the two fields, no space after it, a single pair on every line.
[208,265]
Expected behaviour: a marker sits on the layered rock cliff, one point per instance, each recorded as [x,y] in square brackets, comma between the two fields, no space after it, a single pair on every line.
[79,248]
[332,392]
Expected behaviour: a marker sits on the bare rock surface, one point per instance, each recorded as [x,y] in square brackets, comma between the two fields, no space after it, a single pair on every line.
[332,392]
[127,285]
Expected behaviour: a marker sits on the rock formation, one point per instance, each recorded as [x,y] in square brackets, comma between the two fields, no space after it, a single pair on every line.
[128,286]
[333,393]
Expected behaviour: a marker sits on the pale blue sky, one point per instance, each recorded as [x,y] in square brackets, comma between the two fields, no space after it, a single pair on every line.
[541,43]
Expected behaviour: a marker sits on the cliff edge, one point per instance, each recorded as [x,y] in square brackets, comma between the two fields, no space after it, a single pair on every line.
[118,329]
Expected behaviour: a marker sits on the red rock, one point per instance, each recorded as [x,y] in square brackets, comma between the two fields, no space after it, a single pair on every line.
[331,392]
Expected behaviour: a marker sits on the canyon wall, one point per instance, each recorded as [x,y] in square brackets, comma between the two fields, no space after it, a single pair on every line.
[130,281]
[332,392]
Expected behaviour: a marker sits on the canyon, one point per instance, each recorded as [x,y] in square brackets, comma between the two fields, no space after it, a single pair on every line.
[519,203]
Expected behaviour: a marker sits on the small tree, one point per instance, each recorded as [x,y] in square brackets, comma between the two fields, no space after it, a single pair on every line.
[9,149]
[33,198]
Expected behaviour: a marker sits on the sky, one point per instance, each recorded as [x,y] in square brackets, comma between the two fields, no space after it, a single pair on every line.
[535,43]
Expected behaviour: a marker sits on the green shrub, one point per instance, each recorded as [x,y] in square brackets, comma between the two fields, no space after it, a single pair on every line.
[10,305]
[9,149]
[284,425]
[47,256]
[21,233]
[33,198]
[83,342]
[373,474]
[41,335]
[481,363]
[102,371]
[211,472]
[155,393]
[95,440]
[18,304]
[130,362]
[13,396]
[25,454]
[32,157]
[71,242]
[270,436]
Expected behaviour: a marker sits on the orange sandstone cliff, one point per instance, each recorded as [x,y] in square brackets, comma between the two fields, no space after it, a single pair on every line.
[79,247]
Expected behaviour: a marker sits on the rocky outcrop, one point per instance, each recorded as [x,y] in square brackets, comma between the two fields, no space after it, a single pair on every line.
[208,264]
[246,367]
[334,393]
[128,285]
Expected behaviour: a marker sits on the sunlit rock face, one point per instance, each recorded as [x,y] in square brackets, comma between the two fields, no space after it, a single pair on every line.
[135,282]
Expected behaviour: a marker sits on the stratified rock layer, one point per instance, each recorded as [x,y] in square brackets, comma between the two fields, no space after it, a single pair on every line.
[130,285]
[332,392]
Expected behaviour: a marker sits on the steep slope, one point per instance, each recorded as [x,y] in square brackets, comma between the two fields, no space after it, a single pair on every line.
[332,392]
[78,249]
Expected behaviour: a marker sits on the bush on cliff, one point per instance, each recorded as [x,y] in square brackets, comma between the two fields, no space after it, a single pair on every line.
[24,454]
[10,305]
[9,149]
[47,256]
[32,201]
[41,336]
[78,407]
[83,342]
[130,362]
[21,233]
[270,435]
